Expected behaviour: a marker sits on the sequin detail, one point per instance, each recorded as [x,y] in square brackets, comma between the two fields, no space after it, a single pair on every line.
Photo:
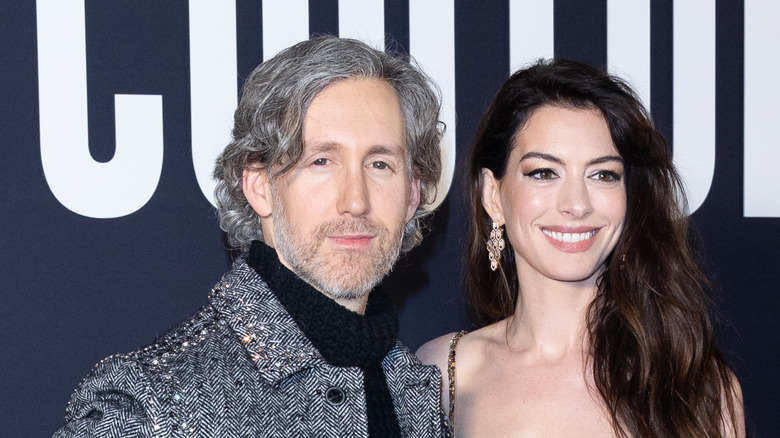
[451,380]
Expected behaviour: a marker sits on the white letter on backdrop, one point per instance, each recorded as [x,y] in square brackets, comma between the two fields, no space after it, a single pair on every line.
[84,186]
[432,44]
[628,44]
[531,32]
[694,97]
[213,84]
[363,20]
[285,22]
[762,92]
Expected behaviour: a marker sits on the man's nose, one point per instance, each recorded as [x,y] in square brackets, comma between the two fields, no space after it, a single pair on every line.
[354,199]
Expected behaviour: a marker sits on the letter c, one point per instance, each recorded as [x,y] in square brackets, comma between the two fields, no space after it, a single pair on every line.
[84,186]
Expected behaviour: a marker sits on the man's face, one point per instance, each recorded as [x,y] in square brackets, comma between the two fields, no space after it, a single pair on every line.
[338,215]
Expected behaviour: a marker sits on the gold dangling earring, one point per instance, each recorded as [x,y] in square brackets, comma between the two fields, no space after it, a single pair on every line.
[495,245]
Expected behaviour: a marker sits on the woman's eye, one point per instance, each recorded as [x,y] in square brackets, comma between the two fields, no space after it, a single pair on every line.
[541,174]
[606,176]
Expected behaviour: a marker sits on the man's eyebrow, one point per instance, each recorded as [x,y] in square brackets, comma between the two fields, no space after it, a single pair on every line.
[554,159]
[328,146]
[386,150]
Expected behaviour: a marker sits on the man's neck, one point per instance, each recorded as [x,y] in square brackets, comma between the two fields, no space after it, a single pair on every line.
[357,304]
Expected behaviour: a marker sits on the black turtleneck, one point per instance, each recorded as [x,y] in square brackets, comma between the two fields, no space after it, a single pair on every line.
[343,337]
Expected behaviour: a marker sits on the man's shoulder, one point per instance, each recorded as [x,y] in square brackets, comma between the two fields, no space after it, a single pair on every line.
[401,353]
[187,368]
[201,331]
[136,393]
[179,343]
[404,364]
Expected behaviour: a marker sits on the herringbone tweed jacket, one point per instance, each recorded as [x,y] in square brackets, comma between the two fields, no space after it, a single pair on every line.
[241,367]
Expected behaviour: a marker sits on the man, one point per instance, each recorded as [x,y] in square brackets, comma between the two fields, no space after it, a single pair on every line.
[335,155]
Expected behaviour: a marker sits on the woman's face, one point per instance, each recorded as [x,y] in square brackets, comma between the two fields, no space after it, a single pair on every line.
[563,196]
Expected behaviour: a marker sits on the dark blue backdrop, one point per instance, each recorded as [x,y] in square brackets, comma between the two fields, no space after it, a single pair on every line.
[76,289]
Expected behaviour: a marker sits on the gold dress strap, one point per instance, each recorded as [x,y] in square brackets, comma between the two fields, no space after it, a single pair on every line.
[451,379]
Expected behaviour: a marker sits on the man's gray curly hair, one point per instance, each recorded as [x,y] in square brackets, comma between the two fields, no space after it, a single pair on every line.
[269,120]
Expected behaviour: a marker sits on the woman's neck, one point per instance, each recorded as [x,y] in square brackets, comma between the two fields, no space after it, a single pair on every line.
[550,318]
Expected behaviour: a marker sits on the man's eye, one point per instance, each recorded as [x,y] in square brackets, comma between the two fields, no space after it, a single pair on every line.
[320,162]
[379,165]
[541,174]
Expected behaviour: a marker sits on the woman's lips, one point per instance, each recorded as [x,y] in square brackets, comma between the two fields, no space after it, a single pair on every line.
[577,240]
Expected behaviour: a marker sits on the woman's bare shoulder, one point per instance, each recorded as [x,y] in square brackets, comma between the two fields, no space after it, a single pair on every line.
[735,419]
[435,351]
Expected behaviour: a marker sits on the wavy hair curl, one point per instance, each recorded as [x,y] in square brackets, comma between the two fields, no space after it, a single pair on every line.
[655,360]
[269,120]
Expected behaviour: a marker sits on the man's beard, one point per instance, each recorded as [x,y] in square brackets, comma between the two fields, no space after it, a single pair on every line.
[342,274]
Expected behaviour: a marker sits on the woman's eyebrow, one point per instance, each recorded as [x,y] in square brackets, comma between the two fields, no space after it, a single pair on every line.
[554,159]
[542,156]
[606,159]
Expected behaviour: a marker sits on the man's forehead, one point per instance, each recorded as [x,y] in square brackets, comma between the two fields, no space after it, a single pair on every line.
[363,114]
[395,149]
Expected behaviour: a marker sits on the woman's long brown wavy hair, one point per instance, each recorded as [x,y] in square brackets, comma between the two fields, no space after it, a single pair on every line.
[655,360]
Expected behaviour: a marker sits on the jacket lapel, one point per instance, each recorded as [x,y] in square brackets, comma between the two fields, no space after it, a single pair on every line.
[273,341]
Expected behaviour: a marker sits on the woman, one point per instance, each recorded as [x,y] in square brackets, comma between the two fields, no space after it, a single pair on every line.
[595,317]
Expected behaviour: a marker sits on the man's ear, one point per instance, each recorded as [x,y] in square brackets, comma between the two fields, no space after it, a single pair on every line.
[414,199]
[257,190]
[491,197]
